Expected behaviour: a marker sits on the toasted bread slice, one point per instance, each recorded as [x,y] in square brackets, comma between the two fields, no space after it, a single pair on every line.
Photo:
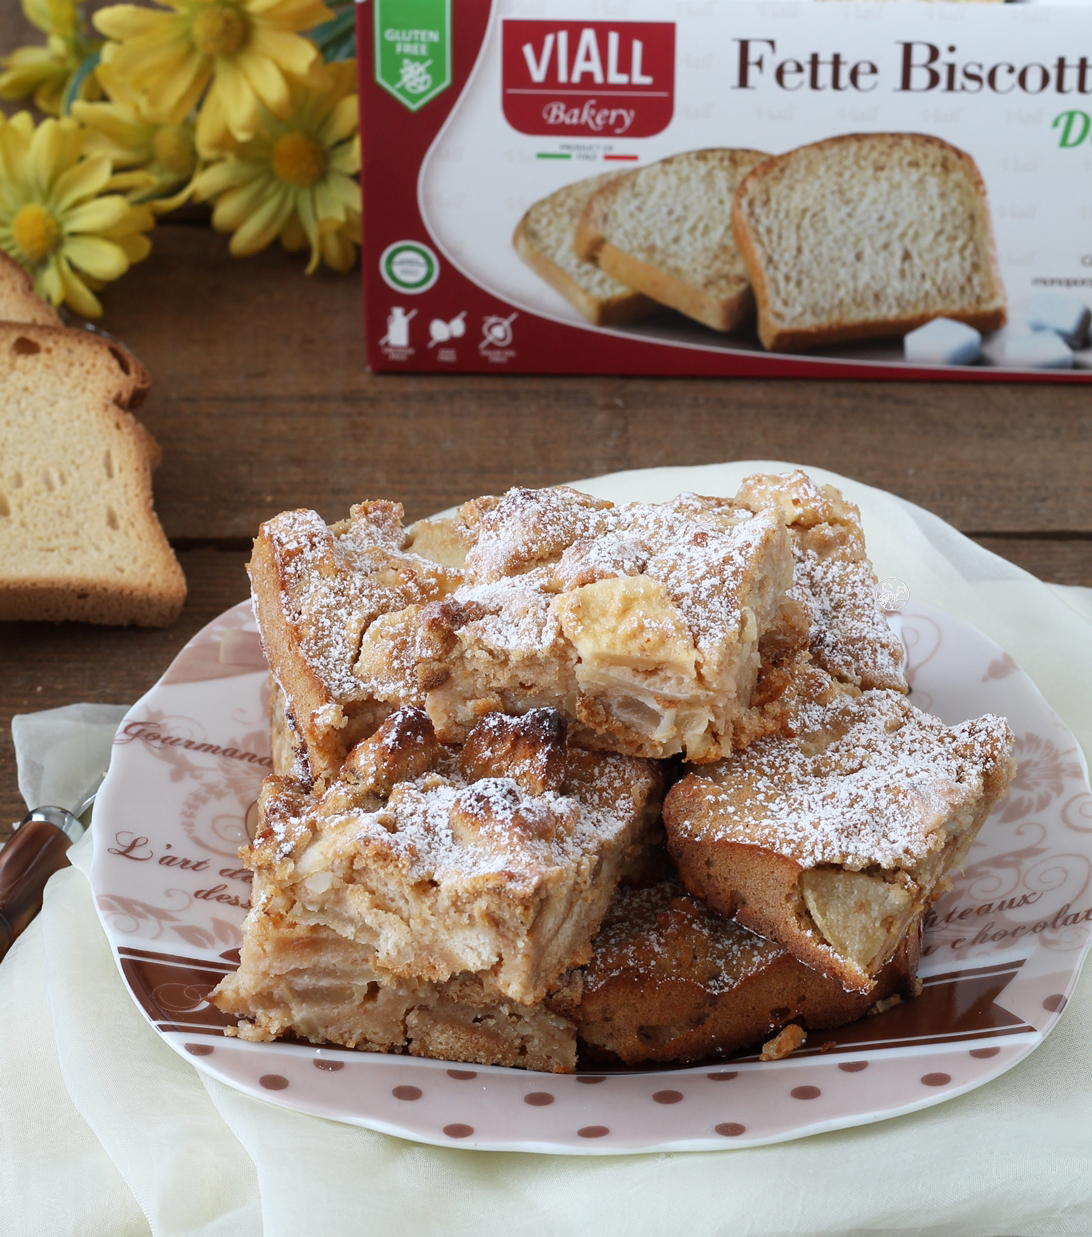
[18,302]
[544,240]
[79,538]
[671,980]
[867,235]
[832,839]
[666,230]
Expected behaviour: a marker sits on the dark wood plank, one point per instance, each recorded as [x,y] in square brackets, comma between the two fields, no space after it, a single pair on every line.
[1057,562]
[261,401]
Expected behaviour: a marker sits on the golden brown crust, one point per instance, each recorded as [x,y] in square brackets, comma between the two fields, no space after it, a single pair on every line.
[529,749]
[777,338]
[724,312]
[87,599]
[628,306]
[18,302]
[832,838]
[674,981]
[91,385]
[501,865]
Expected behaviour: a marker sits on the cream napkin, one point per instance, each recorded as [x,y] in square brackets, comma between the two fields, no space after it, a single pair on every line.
[61,753]
[97,1140]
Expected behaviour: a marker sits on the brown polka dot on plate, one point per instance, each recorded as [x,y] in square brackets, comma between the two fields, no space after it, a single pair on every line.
[406,1093]
[328,1065]
[273,1082]
[1055,1004]
[723,1075]
[730,1129]
[985,1052]
[590,1079]
[593,1131]
[936,1080]
[458,1130]
[852,1067]
[538,1099]
[805,1093]
[667,1097]
[462,1074]
[198,1050]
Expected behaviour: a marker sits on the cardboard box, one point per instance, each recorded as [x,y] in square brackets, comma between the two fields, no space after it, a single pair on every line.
[927,212]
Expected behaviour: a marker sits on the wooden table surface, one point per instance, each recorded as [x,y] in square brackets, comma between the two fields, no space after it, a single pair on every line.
[261,401]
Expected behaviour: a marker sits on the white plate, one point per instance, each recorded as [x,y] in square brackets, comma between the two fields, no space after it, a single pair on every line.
[1002,950]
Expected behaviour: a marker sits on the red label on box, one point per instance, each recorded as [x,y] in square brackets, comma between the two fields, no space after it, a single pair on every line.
[588,79]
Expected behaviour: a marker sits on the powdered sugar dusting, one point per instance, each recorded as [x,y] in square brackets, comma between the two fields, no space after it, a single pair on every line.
[336,582]
[659,933]
[443,827]
[832,578]
[550,541]
[849,636]
[868,781]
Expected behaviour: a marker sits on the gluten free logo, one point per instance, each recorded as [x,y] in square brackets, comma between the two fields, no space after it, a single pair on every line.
[413,49]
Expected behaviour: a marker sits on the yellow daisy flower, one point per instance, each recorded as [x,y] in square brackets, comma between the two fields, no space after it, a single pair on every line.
[294,179]
[248,49]
[163,158]
[45,72]
[57,216]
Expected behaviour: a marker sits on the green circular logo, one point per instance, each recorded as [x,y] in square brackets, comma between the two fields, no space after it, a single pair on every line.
[409,266]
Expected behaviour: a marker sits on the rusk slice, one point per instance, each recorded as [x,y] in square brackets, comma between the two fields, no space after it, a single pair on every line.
[18,302]
[832,839]
[79,538]
[308,981]
[499,859]
[666,230]
[867,235]
[672,980]
[544,240]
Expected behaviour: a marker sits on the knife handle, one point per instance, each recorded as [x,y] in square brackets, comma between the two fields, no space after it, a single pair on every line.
[35,852]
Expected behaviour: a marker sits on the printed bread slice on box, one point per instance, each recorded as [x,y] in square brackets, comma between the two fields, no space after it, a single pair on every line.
[864,236]
[79,538]
[544,240]
[666,230]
